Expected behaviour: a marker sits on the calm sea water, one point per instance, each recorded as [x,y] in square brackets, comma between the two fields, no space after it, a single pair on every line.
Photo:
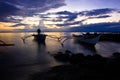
[25,58]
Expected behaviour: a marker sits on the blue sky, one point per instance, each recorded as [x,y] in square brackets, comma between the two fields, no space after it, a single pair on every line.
[81,5]
[59,14]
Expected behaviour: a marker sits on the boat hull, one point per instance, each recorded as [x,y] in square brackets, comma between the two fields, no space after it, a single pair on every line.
[86,40]
[40,37]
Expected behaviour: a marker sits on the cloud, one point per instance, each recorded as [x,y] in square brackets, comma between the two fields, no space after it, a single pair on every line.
[6,9]
[72,17]
[64,13]
[67,14]
[27,7]
[69,18]
[80,22]
[103,16]
[91,14]
[96,12]
[71,23]
[56,20]
[19,24]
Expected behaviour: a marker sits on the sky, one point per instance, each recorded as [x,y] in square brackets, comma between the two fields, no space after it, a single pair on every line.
[81,5]
[53,15]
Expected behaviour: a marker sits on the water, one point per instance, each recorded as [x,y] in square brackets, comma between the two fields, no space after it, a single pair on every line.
[25,58]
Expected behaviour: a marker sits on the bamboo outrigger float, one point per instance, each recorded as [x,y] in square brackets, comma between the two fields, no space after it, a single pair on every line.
[5,44]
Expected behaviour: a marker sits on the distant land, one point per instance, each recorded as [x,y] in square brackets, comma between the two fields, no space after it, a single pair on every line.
[99,27]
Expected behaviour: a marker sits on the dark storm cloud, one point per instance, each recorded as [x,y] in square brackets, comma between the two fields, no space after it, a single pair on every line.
[27,7]
[64,13]
[118,11]
[56,20]
[69,18]
[80,22]
[104,16]
[91,14]
[71,23]
[7,9]
[69,15]
[97,12]
[72,17]
[98,17]
[94,12]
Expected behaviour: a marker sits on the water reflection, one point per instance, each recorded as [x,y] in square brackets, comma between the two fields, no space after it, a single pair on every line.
[106,49]
[32,56]
[41,56]
[24,58]
[87,46]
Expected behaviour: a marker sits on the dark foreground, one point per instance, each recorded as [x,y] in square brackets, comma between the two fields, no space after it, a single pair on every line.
[80,67]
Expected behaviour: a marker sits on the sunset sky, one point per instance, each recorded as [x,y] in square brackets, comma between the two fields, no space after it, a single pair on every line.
[103,15]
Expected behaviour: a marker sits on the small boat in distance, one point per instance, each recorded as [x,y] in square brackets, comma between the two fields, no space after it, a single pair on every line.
[39,37]
[87,38]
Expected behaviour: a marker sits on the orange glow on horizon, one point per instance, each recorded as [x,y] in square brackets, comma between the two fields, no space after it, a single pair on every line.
[8,26]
